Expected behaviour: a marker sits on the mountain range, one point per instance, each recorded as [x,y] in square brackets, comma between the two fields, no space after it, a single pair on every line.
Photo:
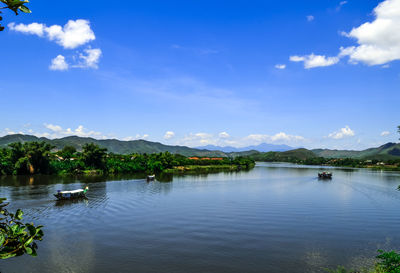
[387,151]
[263,147]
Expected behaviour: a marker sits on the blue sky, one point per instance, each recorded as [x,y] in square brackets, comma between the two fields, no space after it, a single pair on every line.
[302,73]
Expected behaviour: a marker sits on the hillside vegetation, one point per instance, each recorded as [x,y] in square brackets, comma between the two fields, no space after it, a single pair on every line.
[112,145]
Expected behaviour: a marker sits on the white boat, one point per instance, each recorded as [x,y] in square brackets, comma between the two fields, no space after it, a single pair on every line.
[151,177]
[66,195]
[323,175]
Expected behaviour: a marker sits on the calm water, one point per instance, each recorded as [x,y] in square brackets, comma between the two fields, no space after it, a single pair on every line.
[274,218]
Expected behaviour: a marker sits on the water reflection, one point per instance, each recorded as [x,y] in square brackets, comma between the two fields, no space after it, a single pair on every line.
[64,203]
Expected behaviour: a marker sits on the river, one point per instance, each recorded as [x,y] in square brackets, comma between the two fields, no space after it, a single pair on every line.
[274,218]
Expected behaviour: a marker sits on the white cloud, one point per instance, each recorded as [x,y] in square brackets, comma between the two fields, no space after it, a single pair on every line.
[342,133]
[169,135]
[224,139]
[58,63]
[312,60]
[72,35]
[280,66]
[223,135]
[137,137]
[33,29]
[279,137]
[379,40]
[385,133]
[310,18]
[91,59]
[341,4]
[57,131]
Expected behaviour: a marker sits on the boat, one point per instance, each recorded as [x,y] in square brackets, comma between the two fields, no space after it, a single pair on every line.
[151,177]
[325,175]
[68,195]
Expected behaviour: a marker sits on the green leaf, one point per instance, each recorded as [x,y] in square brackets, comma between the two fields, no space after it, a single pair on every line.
[14,228]
[6,256]
[28,250]
[2,239]
[32,229]
[19,214]
[24,9]
[29,241]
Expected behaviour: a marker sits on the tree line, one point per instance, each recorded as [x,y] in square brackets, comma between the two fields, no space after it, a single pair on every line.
[38,158]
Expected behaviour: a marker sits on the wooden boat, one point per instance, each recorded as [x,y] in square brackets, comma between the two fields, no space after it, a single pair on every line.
[68,195]
[151,177]
[325,175]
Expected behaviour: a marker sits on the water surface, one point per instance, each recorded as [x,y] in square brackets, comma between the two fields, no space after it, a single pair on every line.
[274,218]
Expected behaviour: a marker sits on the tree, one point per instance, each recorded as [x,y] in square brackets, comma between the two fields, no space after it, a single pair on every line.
[67,152]
[14,5]
[17,238]
[31,157]
[398,129]
[93,156]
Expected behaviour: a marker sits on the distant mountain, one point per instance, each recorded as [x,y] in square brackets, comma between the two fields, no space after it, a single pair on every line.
[385,152]
[113,145]
[263,147]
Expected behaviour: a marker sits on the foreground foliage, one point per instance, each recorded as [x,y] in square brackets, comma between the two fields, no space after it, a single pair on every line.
[17,238]
[14,5]
[388,262]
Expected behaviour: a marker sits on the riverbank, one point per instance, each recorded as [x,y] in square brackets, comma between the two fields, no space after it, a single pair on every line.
[196,169]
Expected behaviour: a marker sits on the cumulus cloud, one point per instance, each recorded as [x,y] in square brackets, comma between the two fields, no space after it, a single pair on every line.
[342,133]
[58,63]
[72,35]
[224,139]
[169,135]
[280,66]
[90,59]
[57,131]
[385,133]
[137,137]
[279,137]
[312,60]
[379,40]
[310,18]
[223,135]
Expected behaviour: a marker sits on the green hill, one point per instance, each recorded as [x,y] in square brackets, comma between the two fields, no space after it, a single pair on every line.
[288,156]
[385,152]
[113,145]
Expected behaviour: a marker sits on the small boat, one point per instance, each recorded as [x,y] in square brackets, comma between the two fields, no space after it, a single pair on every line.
[151,177]
[68,195]
[323,175]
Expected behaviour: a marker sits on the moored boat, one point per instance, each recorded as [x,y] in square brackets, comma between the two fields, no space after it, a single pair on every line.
[151,177]
[325,175]
[67,195]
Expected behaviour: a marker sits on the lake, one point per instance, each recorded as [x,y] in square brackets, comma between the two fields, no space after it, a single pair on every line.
[274,218]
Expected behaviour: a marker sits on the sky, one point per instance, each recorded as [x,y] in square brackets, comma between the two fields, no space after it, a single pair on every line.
[314,74]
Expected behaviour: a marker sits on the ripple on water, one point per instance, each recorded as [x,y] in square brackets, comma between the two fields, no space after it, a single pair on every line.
[271,219]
